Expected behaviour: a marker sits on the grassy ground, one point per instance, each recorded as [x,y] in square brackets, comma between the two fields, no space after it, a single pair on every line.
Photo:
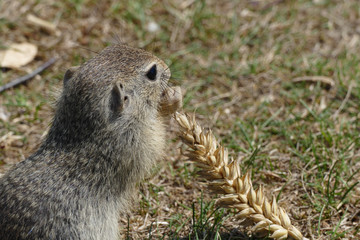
[246,69]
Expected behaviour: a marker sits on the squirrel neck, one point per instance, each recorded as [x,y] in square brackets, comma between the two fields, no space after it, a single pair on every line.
[109,161]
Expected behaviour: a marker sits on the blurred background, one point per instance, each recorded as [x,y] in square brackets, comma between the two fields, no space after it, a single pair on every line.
[277,81]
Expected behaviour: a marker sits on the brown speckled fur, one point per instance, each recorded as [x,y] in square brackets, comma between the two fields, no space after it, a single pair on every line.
[79,180]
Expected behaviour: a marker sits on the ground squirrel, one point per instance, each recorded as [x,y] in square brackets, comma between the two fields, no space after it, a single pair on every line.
[105,135]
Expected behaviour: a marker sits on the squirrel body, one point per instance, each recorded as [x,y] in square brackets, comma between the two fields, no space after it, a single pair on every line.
[105,136]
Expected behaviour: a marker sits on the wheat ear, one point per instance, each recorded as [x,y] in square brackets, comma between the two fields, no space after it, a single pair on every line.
[225,177]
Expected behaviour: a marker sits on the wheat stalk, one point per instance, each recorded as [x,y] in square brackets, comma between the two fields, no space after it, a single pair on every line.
[225,177]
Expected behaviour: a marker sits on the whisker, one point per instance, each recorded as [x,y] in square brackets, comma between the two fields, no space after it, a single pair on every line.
[116,38]
[85,48]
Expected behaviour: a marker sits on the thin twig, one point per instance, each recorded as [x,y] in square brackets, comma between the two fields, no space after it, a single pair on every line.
[326,80]
[343,103]
[29,76]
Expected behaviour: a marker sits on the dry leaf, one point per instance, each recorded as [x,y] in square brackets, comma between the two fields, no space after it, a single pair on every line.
[4,115]
[17,55]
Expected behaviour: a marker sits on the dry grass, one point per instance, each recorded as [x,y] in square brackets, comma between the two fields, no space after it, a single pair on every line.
[277,81]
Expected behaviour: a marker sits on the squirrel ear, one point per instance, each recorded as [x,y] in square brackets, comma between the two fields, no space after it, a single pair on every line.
[69,73]
[118,99]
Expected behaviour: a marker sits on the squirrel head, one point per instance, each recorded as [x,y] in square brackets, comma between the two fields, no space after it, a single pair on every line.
[118,86]
[120,80]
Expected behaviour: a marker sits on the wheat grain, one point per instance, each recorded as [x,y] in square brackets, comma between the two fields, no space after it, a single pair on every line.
[225,177]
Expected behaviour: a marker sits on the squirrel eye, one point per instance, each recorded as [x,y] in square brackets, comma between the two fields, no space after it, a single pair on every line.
[151,74]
